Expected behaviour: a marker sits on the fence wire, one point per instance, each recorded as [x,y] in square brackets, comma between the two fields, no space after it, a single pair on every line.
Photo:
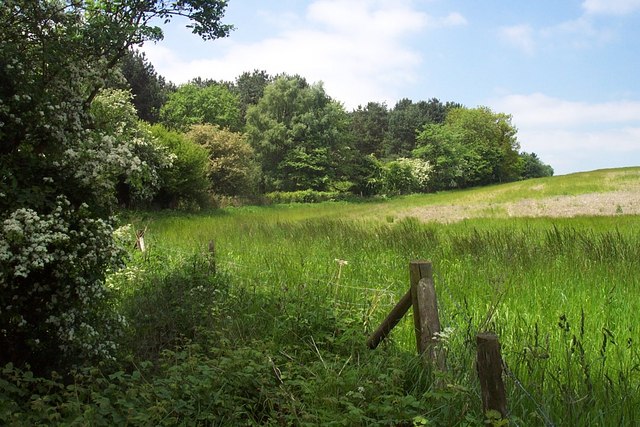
[442,285]
[387,300]
[539,408]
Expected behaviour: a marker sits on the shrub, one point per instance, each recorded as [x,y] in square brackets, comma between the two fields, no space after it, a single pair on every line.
[185,184]
[123,152]
[404,176]
[232,167]
[166,302]
[304,196]
[54,308]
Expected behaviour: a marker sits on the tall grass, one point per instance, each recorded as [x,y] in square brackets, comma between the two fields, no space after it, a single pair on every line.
[559,293]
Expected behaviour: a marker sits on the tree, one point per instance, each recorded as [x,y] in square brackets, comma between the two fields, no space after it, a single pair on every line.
[192,104]
[533,167]
[407,118]
[124,156]
[150,90]
[369,125]
[297,131]
[472,147]
[249,87]
[55,227]
[232,170]
[186,183]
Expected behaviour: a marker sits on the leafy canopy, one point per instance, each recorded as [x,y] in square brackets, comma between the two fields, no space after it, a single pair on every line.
[297,131]
[472,147]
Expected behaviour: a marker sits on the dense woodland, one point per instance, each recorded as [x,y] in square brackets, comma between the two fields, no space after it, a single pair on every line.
[287,139]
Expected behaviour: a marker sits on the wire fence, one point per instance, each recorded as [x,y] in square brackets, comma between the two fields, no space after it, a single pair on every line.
[378,300]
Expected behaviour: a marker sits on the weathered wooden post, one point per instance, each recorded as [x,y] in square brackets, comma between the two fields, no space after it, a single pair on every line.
[212,256]
[390,321]
[140,240]
[489,365]
[425,311]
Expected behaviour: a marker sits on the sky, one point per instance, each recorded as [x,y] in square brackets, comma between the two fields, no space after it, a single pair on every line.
[568,71]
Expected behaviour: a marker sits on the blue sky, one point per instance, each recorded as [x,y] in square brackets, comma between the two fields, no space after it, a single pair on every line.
[566,70]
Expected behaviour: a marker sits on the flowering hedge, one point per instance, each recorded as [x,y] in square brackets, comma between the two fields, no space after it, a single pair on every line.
[53,302]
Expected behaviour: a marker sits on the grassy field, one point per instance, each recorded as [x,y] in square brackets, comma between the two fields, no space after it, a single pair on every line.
[272,330]
[560,292]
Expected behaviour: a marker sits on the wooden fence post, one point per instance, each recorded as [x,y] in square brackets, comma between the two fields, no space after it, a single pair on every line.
[140,240]
[425,311]
[489,365]
[390,321]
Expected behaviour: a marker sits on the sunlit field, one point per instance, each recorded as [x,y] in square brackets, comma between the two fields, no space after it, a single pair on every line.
[559,292]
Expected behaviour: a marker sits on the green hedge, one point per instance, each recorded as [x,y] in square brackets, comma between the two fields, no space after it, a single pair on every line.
[305,196]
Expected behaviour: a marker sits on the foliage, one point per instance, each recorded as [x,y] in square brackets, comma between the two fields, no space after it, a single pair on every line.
[59,168]
[369,126]
[53,303]
[296,131]
[150,91]
[405,176]
[249,87]
[532,166]
[277,336]
[186,183]
[472,147]
[407,118]
[304,196]
[232,170]
[192,104]
[367,174]
[127,154]
[166,304]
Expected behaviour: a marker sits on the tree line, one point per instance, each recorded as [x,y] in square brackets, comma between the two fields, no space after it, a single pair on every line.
[281,134]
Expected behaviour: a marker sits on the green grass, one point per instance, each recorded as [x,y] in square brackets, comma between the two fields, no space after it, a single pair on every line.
[560,292]
[277,336]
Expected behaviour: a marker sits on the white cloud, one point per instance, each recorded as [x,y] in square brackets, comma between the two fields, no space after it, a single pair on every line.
[520,36]
[544,111]
[611,7]
[575,136]
[578,33]
[356,47]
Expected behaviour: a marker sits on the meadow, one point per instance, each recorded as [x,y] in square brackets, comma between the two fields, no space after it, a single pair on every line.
[559,292]
[272,329]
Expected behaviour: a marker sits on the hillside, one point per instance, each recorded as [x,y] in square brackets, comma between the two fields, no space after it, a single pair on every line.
[598,193]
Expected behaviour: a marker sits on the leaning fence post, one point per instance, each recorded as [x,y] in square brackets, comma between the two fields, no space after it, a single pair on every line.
[390,321]
[425,311]
[489,365]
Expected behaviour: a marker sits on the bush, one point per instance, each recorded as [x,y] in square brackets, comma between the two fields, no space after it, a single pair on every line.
[185,184]
[305,196]
[55,310]
[404,176]
[232,167]
[124,153]
[167,302]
